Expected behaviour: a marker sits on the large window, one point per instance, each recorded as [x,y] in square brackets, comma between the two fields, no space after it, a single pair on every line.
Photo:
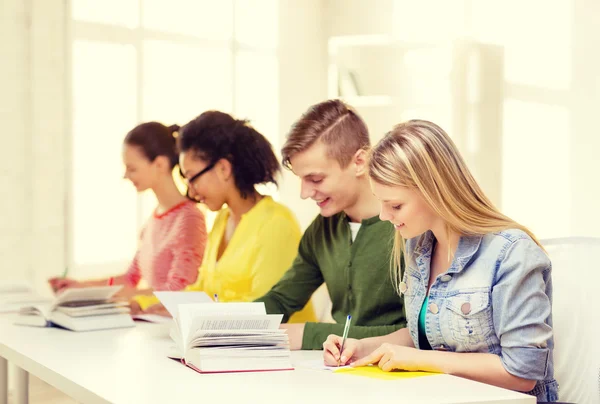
[526,117]
[159,60]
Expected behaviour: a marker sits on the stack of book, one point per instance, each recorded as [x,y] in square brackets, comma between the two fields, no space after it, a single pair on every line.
[80,309]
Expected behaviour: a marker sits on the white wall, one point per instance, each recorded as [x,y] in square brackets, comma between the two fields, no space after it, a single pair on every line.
[357,17]
[585,164]
[34,113]
[50,138]
[302,82]
[32,77]
[36,124]
[535,152]
[15,110]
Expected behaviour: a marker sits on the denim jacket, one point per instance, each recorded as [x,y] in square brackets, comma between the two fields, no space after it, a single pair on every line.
[496,297]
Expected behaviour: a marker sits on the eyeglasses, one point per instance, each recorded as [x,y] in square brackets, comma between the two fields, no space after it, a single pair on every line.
[202,172]
[191,180]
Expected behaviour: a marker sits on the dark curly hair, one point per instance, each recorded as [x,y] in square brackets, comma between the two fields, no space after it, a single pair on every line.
[215,135]
[155,139]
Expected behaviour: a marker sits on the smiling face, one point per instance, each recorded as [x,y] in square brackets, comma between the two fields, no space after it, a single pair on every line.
[405,208]
[211,187]
[323,180]
[138,168]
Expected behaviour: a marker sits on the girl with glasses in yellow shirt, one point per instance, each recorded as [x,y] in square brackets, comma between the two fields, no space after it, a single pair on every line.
[254,239]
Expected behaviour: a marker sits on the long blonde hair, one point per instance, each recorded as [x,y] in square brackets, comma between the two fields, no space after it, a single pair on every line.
[419,154]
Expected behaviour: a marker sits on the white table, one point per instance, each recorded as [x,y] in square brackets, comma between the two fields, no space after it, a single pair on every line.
[130,366]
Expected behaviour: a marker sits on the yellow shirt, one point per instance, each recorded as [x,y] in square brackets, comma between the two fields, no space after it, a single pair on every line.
[262,248]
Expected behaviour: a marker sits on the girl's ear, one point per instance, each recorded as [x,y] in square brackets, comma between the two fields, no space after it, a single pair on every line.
[224,169]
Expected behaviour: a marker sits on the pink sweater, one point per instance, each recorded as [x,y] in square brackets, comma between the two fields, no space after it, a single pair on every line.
[170,249]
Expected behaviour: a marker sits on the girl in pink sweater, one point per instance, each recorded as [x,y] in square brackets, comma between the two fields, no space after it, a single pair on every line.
[172,241]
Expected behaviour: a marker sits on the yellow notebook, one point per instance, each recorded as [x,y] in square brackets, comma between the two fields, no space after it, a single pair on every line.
[376,373]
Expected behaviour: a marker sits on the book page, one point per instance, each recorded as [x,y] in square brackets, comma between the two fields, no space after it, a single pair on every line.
[187,312]
[152,318]
[178,350]
[173,299]
[42,310]
[94,312]
[232,326]
[91,294]
[250,323]
[223,309]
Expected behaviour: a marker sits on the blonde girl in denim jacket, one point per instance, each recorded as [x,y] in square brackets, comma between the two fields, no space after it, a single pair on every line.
[477,285]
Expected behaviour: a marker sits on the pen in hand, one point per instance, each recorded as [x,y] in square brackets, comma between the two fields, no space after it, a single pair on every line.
[344,336]
[216,298]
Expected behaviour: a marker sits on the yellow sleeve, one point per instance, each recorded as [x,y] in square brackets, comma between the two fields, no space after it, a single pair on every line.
[145,301]
[277,247]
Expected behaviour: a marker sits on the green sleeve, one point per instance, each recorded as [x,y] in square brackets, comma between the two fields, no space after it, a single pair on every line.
[297,285]
[316,333]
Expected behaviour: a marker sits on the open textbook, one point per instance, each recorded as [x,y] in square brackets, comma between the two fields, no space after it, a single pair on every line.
[229,337]
[79,309]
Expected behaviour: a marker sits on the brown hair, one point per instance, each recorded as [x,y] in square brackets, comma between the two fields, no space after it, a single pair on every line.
[155,139]
[334,123]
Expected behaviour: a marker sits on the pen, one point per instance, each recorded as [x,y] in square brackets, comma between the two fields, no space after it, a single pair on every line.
[65,272]
[111,280]
[216,298]
[346,328]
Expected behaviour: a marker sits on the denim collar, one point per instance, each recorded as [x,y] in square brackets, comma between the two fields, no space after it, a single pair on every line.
[467,247]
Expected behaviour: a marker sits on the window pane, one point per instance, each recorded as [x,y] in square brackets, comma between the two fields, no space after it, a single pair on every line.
[444,20]
[181,81]
[112,12]
[440,115]
[539,57]
[104,110]
[201,18]
[257,93]
[256,23]
[536,168]
[257,97]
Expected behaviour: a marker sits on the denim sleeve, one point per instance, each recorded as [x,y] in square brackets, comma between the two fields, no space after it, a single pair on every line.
[521,302]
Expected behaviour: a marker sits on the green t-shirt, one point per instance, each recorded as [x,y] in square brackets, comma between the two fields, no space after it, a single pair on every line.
[357,275]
